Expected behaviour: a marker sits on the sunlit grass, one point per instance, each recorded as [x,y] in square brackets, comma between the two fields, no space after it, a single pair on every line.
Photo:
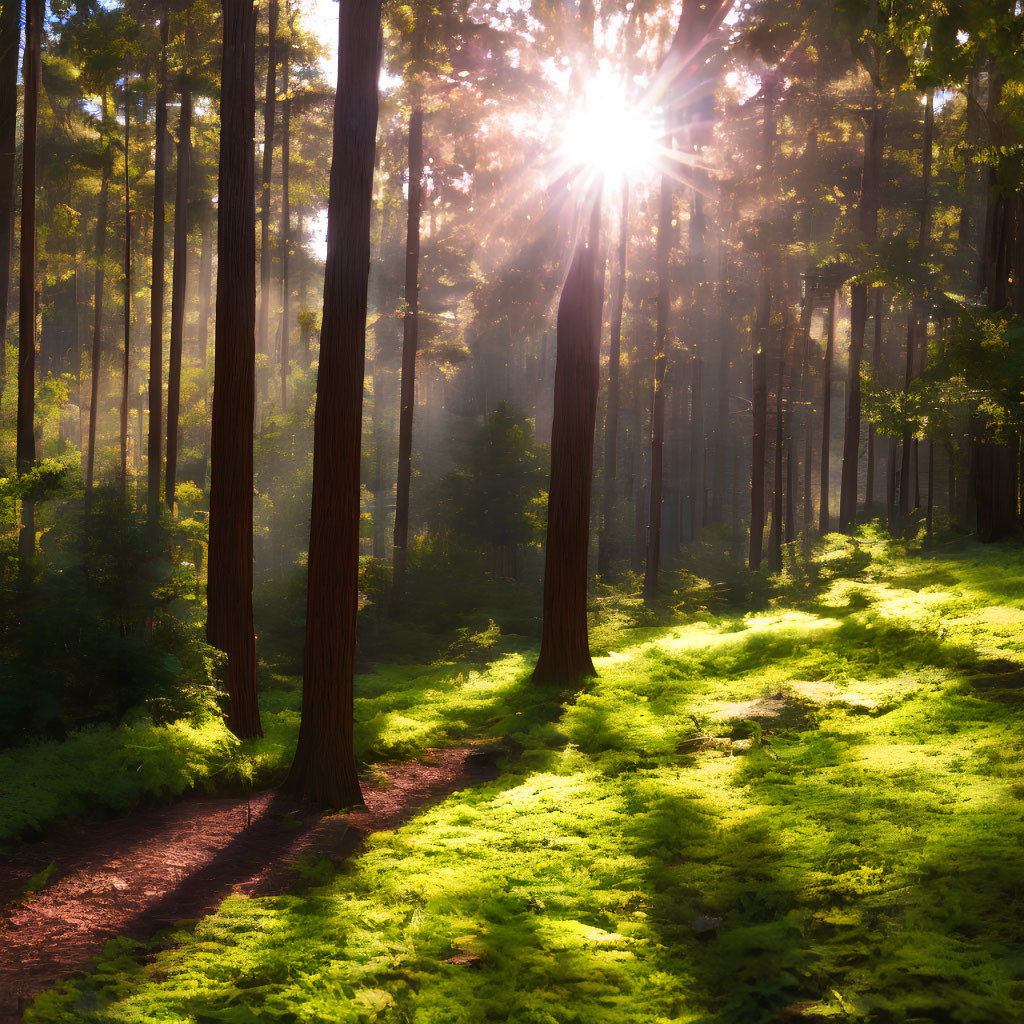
[856,858]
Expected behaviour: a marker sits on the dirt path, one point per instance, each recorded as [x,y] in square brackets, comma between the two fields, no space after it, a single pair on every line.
[137,874]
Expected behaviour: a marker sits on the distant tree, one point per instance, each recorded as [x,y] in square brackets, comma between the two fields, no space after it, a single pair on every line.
[269,107]
[180,276]
[230,572]
[324,769]
[565,647]
[491,498]
[26,439]
[154,451]
[10,37]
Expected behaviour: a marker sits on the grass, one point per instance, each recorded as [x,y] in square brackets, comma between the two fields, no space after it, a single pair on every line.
[659,853]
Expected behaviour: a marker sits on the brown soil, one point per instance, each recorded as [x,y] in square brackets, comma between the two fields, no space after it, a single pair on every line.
[138,874]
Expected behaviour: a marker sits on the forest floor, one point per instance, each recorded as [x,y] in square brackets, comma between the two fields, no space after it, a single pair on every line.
[142,873]
[795,800]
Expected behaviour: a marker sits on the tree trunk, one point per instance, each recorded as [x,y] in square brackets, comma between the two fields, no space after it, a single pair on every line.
[205,285]
[26,439]
[126,371]
[263,329]
[874,140]
[876,366]
[229,625]
[611,425]
[410,343]
[759,407]
[826,418]
[658,401]
[10,39]
[324,769]
[180,277]
[156,322]
[565,649]
[286,210]
[97,325]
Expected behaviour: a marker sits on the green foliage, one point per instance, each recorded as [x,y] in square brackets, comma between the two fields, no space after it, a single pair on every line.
[663,848]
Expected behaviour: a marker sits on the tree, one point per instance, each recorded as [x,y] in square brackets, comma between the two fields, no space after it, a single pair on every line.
[180,275]
[269,100]
[229,588]
[324,768]
[10,35]
[565,648]
[26,439]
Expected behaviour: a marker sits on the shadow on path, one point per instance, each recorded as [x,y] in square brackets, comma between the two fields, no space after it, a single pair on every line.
[140,873]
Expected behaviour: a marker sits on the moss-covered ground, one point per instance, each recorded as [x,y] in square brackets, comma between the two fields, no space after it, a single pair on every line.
[808,812]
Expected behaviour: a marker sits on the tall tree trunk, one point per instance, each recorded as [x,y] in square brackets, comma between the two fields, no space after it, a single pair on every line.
[286,210]
[263,327]
[658,401]
[97,324]
[229,625]
[876,366]
[179,279]
[870,188]
[205,284]
[565,649]
[10,38]
[917,336]
[127,365]
[26,439]
[324,769]
[611,424]
[826,418]
[762,328]
[156,314]
[410,343]
[699,289]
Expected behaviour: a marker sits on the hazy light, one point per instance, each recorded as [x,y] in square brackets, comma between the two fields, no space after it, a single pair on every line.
[607,135]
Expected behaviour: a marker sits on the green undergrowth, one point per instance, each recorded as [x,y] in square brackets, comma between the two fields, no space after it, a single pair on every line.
[400,712]
[807,813]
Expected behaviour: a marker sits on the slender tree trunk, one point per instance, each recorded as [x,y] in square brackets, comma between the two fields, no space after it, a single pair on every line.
[179,279]
[874,141]
[876,366]
[286,210]
[126,371]
[26,439]
[826,417]
[410,343]
[775,535]
[229,625]
[565,649]
[205,284]
[156,323]
[759,406]
[916,330]
[324,769]
[10,39]
[97,324]
[658,400]
[611,426]
[263,328]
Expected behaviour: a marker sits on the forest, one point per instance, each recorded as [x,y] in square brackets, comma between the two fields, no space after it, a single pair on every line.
[510,510]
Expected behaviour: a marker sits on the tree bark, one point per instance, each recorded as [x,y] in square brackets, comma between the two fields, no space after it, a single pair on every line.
[26,440]
[98,286]
[10,38]
[874,140]
[229,581]
[263,331]
[156,322]
[826,418]
[286,210]
[658,401]
[876,366]
[127,365]
[611,426]
[180,272]
[410,344]
[565,649]
[759,407]
[324,769]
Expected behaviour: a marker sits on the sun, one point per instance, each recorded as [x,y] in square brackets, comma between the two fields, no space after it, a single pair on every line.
[609,137]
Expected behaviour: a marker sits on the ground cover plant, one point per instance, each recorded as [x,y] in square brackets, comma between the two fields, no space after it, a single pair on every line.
[806,812]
